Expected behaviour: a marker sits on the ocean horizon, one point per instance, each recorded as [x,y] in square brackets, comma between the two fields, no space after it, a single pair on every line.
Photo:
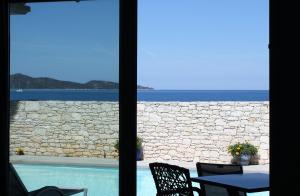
[142,95]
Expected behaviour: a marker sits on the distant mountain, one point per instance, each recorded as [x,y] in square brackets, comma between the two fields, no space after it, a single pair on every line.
[21,81]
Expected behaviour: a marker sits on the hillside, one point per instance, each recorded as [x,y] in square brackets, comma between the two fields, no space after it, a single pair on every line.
[21,81]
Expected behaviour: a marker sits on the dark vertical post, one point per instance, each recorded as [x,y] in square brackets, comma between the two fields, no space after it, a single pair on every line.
[284,98]
[4,96]
[128,97]
[273,92]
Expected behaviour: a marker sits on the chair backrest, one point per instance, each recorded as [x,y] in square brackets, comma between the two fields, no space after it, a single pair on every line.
[17,188]
[49,191]
[208,169]
[171,179]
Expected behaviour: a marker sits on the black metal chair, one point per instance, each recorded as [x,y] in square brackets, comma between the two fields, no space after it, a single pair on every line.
[172,180]
[17,188]
[208,169]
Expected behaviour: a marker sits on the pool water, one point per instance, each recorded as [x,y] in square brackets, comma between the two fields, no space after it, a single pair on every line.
[99,181]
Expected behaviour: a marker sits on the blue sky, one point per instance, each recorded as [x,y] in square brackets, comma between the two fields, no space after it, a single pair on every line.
[190,44]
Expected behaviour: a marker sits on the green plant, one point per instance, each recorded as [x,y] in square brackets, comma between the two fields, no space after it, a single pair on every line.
[117,145]
[242,149]
[19,151]
[139,142]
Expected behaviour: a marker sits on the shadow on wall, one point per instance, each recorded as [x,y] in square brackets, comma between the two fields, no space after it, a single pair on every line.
[14,106]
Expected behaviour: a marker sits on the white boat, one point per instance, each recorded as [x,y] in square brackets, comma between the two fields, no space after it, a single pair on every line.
[19,90]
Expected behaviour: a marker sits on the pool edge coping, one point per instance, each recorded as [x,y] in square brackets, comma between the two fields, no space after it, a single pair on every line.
[110,163]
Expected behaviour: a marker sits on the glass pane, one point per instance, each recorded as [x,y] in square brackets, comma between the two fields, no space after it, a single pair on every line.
[207,62]
[64,122]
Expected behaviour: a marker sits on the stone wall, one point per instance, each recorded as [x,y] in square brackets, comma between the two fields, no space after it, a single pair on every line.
[65,128]
[201,131]
[184,131]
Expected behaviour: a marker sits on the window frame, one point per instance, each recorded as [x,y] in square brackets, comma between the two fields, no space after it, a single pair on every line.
[128,16]
[127,93]
[4,96]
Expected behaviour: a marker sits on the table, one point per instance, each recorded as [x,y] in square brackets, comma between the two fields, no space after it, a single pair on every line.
[248,182]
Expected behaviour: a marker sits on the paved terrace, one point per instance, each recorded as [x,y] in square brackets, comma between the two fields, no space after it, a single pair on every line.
[99,162]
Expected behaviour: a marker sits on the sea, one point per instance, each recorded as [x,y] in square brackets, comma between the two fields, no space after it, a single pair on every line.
[142,95]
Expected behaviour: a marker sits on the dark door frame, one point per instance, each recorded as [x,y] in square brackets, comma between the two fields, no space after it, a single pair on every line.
[4,96]
[281,131]
[127,94]
[128,97]
[284,98]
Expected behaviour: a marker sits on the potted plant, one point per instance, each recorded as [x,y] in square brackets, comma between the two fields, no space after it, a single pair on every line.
[139,148]
[19,151]
[242,152]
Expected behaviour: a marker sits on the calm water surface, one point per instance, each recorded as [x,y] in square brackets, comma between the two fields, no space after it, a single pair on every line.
[143,95]
[99,181]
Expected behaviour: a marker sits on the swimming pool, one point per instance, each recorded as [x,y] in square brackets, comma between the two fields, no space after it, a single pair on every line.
[99,181]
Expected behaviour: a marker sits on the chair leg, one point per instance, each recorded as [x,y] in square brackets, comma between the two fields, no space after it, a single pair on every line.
[232,192]
[85,192]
